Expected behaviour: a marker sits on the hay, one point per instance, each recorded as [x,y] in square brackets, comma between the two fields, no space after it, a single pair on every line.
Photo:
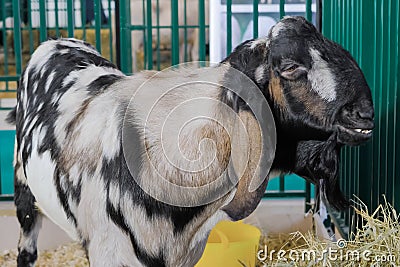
[376,243]
[66,255]
[379,234]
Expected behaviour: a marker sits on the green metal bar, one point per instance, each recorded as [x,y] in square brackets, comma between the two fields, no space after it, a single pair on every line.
[390,104]
[97,19]
[83,12]
[42,18]
[144,32]
[71,22]
[142,27]
[17,37]
[202,31]
[286,194]
[228,27]
[149,35]
[307,206]
[366,51]
[56,18]
[158,37]
[377,135]
[4,35]
[30,30]
[308,10]
[125,23]
[5,48]
[396,158]
[6,197]
[110,29]
[281,183]
[9,77]
[175,32]
[255,19]
[185,36]
[281,8]
[381,129]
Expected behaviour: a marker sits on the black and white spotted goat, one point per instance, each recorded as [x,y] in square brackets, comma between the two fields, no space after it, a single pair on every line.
[70,166]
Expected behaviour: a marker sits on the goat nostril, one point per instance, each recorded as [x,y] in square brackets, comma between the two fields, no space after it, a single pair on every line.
[365,114]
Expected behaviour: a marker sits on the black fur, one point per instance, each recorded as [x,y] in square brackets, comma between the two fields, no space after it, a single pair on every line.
[26,258]
[12,116]
[307,144]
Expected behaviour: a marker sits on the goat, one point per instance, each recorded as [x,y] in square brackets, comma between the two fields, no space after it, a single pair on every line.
[74,118]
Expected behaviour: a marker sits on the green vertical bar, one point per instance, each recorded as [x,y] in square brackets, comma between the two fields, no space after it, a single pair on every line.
[326,19]
[125,24]
[391,105]
[175,32]
[5,45]
[281,183]
[281,8]
[308,10]
[71,22]
[56,18]
[31,48]
[185,36]
[42,18]
[144,32]
[202,31]
[255,19]
[378,110]
[228,26]
[17,37]
[97,19]
[384,104]
[307,206]
[83,12]
[110,29]
[158,37]
[367,62]
[149,29]
[396,187]
[355,7]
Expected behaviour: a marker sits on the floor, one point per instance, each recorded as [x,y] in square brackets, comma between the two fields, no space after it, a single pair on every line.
[50,236]
[3,113]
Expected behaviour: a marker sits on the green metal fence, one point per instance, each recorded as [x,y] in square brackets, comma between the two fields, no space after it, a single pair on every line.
[26,23]
[370,31]
[148,34]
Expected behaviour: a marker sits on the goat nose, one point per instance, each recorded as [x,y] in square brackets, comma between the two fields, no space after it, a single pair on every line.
[367,114]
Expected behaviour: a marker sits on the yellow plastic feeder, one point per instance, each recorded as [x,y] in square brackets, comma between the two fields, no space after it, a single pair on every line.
[231,244]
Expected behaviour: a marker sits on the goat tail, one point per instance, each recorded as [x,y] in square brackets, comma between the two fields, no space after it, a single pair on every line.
[12,116]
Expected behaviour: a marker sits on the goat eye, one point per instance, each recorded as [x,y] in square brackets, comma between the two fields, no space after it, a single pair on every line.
[291,68]
[293,71]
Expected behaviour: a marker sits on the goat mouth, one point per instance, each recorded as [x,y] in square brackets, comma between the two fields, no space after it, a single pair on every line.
[365,132]
[353,136]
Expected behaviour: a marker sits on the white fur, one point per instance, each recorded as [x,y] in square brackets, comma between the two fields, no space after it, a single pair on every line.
[321,78]
[277,28]
[257,42]
[109,245]
[49,81]
[260,73]
[40,170]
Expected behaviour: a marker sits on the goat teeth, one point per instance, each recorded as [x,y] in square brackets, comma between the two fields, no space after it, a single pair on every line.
[366,131]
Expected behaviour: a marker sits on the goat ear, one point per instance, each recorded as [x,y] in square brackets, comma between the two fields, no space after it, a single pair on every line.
[247,167]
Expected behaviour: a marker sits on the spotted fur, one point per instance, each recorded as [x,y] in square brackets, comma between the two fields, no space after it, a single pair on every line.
[70,162]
